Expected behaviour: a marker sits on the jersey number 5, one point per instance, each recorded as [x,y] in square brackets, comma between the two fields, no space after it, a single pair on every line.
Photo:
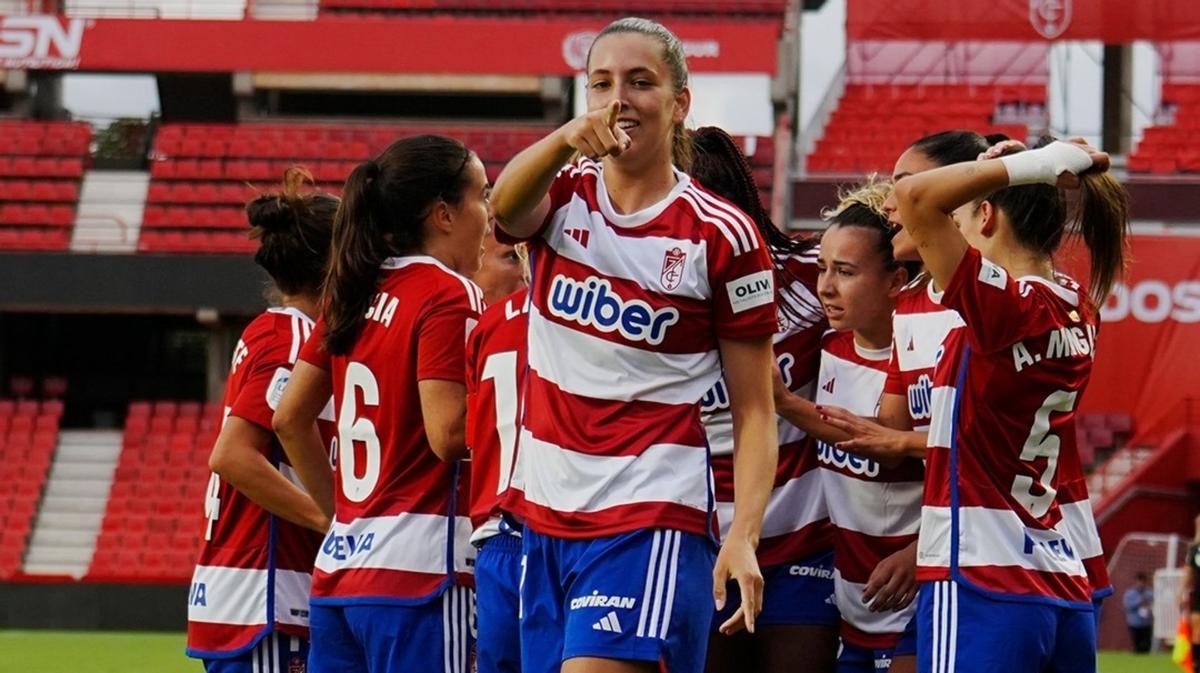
[1042,444]
[502,369]
[352,429]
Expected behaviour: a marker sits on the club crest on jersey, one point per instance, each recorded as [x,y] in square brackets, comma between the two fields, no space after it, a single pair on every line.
[672,268]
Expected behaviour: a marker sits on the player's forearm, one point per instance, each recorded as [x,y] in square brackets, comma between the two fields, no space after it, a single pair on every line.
[804,415]
[252,474]
[525,181]
[306,452]
[755,457]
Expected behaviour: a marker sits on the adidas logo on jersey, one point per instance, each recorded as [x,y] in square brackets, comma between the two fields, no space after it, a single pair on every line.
[828,387]
[593,303]
[579,234]
[609,623]
[910,343]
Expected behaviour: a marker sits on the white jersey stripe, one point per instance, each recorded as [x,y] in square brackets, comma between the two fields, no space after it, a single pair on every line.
[952,655]
[875,508]
[1011,543]
[793,505]
[738,220]
[578,482]
[390,544]
[447,646]
[680,378]
[721,225]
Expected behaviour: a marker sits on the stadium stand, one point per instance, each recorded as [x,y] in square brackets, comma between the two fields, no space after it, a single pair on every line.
[41,165]
[152,522]
[874,124]
[28,434]
[202,175]
[1170,148]
[608,7]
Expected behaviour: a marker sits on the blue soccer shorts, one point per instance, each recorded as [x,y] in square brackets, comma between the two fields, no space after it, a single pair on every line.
[639,596]
[497,604]
[799,593]
[961,629]
[434,637]
[274,653]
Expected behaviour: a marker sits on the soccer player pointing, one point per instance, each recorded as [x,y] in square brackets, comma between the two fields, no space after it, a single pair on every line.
[643,284]
[1004,583]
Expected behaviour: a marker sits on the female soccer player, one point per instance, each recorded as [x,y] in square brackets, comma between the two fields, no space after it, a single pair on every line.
[248,605]
[1002,438]
[874,506]
[390,592]
[496,364]
[643,283]
[798,621]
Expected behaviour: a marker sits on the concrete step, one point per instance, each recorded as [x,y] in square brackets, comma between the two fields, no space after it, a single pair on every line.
[84,454]
[76,555]
[77,488]
[75,505]
[59,538]
[70,520]
[81,471]
[48,568]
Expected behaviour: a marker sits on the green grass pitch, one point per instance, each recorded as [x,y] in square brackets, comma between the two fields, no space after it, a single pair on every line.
[110,652]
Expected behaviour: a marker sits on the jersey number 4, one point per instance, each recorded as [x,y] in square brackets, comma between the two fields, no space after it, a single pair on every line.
[1042,444]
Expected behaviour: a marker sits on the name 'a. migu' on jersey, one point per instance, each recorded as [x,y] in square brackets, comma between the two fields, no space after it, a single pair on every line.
[254,572]
[624,317]
[796,523]
[495,369]
[875,510]
[401,532]
[1002,508]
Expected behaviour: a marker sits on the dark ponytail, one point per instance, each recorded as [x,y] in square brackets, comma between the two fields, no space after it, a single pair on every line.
[384,206]
[720,166]
[294,227]
[1098,212]
[1102,221]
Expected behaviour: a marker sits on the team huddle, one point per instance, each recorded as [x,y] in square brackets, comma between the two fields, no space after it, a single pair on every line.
[605,416]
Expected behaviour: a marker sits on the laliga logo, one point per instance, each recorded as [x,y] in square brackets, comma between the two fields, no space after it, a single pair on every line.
[1050,18]
[26,42]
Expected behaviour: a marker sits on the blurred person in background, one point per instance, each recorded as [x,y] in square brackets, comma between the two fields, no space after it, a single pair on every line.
[1139,613]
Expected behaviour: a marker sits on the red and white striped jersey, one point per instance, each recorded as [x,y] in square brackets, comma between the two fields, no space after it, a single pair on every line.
[1002,508]
[254,571]
[495,368]
[624,318]
[919,326]
[400,527]
[875,511]
[796,524]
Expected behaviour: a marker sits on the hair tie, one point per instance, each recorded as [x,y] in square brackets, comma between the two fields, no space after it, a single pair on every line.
[372,169]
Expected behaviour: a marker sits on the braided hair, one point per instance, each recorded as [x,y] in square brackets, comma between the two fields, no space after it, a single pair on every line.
[720,166]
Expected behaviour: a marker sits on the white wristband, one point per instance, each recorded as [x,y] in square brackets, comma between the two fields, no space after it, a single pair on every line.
[1044,165]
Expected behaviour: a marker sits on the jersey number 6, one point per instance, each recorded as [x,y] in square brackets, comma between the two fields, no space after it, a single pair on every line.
[352,429]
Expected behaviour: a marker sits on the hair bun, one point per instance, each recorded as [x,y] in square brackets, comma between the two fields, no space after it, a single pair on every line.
[270,213]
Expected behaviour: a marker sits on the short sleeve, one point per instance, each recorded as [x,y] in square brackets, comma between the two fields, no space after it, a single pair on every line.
[442,338]
[263,386]
[471,360]
[894,383]
[743,283]
[313,351]
[560,193]
[998,309]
